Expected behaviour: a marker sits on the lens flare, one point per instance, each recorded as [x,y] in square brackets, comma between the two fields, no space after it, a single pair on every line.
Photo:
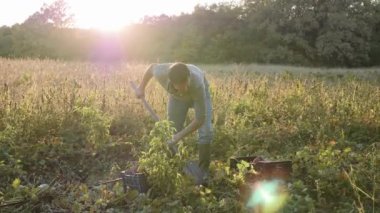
[267,196]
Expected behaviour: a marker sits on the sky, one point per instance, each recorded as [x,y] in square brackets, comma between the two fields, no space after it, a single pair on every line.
[100,14]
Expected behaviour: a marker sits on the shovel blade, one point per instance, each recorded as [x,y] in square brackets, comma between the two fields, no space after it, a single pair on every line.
[193,170]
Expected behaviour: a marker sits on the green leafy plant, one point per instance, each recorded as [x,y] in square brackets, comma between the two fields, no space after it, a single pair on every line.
[164,170]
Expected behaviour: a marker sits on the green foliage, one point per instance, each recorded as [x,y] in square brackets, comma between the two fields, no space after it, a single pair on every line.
[163,169]
[84,126]
[66,126]
[300,200]
[172,191]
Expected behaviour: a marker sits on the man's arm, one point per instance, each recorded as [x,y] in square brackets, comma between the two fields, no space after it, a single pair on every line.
[140,93]
[194,125]
[200,115]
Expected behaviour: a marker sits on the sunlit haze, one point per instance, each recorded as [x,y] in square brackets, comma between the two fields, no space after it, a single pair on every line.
[100,14]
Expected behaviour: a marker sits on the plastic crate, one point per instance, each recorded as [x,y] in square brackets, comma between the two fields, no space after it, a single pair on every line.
[274,169]
[136,181]
[235,160]
[266,169]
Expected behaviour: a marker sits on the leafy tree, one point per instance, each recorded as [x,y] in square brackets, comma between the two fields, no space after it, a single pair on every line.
[375,38]
[6,41]
[344,37]
[300,32]
[54,14]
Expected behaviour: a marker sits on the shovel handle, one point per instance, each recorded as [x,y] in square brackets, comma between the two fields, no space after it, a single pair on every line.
[146,104]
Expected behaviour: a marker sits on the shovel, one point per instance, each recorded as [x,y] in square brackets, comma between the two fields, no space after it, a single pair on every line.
[145,103]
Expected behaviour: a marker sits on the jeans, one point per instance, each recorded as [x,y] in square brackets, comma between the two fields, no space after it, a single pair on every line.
[177,112]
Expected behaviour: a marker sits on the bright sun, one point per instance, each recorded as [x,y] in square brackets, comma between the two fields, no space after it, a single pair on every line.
[109,15]
[112,15]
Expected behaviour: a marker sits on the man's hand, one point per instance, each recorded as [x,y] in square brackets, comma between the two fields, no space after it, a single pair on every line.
[140,93]
[172,143]
[172,146]
[176,138]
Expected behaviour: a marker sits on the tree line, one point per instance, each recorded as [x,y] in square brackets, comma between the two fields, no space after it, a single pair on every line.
[298,32]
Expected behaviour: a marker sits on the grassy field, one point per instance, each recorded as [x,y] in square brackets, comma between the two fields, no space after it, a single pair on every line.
[65,126]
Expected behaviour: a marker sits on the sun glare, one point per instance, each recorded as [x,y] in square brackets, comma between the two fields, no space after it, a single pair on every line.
[113,15]
[109,15]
